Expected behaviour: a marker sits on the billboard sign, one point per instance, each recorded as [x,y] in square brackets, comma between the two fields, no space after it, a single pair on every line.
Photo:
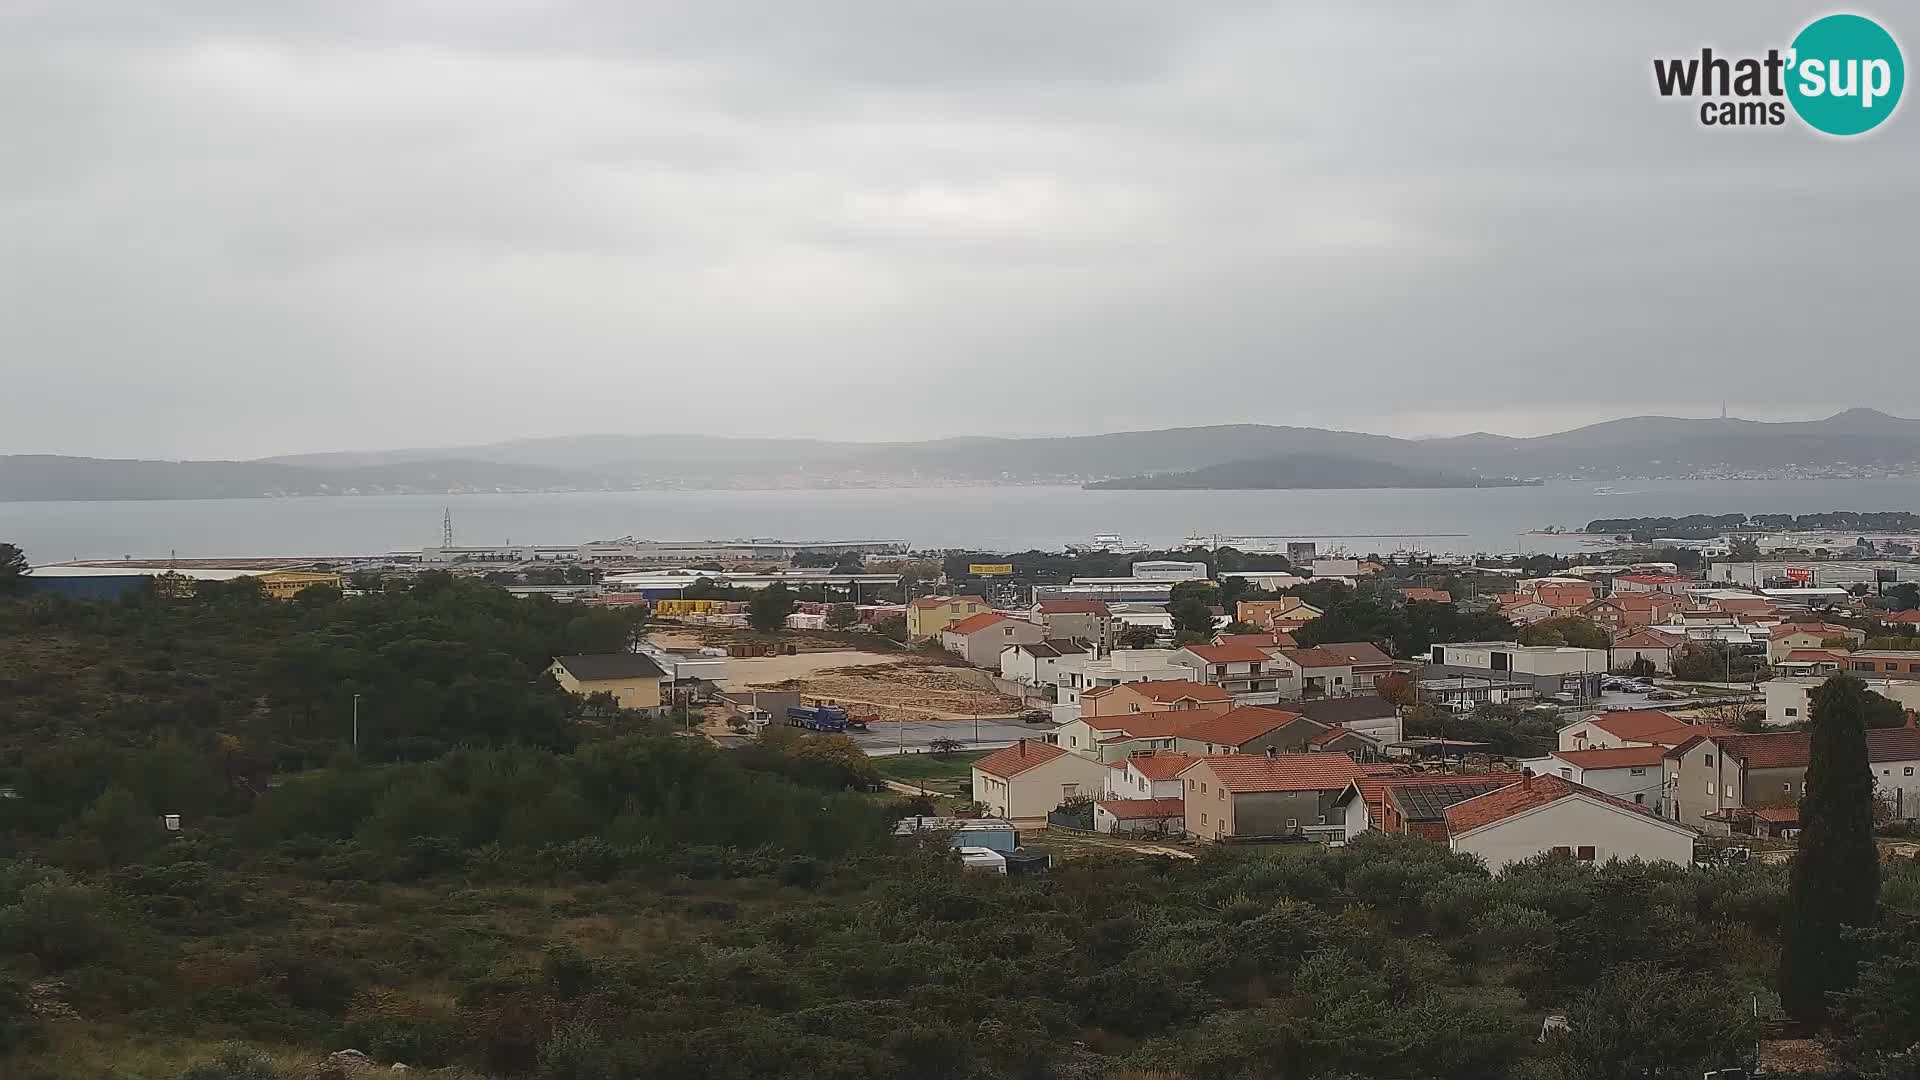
[997,569]
[1799,575]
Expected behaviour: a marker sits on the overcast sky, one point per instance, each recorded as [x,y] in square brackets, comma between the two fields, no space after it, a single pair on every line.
[243,228]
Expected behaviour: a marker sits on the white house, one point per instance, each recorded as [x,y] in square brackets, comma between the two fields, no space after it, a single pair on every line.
[1652,646]
[1631,773]
[978,639]
[1025,781]
[1630,727]
[1043,663]
[1543,814]
[1790,700]
[1151,775]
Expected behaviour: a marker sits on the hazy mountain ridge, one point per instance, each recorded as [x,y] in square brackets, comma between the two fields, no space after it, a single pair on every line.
[1629,447]
[1298,472]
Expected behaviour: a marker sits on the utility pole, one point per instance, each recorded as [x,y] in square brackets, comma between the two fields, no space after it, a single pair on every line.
[356,723]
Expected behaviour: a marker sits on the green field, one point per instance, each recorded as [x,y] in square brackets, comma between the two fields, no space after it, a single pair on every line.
[941,772]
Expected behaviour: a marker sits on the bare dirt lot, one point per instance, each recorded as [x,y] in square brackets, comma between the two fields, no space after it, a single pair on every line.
[895,689]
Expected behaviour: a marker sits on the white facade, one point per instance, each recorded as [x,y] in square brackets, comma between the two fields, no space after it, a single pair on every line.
[1169,570]
[1035,792]
[1521,659]
[1899,782]
[1131,783]
[1018,664]
[1344,568]
[1120,666]
[1790,700]
[1577,822]
[1641,785]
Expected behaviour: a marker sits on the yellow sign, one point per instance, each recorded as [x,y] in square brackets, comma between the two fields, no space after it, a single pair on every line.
[990,569]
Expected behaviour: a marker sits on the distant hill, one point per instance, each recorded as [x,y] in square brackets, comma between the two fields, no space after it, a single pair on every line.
[1287,471]
[1636,446]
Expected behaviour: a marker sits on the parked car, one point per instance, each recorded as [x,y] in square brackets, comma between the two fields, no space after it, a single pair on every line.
[1036,716]
[1665,695]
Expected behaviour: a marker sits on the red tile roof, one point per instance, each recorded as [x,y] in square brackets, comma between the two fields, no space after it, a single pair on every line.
[1651,726]
[1318,656]
[1073,607]
[1354,652]
[1137,809]
[1652,579]
[1638,757]
[1336,733]
[1229,654]
[1238,727]
[1160,764]
[1645,639]
[1902,618]
[1373,786]
[1162,724]
[976,623]
[1436,596]
[1018,758]
[1819,630]
[1894,744]
[1793,749]
[1815,656]
[1529,794]
[1245,773]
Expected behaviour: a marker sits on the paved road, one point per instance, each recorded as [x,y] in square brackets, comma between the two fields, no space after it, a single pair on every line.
[885,738]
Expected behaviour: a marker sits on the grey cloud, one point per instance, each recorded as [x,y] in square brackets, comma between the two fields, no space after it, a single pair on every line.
[245,228]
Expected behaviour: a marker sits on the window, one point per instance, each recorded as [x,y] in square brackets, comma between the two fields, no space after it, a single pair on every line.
[1223,794]
[1203,817]
[1637,772]
[1293,823]
[1562,850]
[1323,819]
[1793,712]
[1068,791]
[1787,787]
[1586,853]
[1639,799]
[1203,787]
[1908,771]
[1729,791]
[1709,761]
[1567,773]
[1709,787]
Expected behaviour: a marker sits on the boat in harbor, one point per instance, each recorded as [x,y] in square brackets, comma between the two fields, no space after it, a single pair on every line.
[1107,544]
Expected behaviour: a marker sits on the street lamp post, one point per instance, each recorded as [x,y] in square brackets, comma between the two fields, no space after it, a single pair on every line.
[356,722]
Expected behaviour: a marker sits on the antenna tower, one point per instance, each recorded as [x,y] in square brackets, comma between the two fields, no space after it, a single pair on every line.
[446,527]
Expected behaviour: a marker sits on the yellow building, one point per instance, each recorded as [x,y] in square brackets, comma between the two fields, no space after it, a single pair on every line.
[287,584]
[632,679]
[929,615]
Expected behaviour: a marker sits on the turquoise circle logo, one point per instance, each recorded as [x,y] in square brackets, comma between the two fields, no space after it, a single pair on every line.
[1846,74]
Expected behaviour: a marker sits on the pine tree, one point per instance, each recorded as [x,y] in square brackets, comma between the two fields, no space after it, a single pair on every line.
[1836,873]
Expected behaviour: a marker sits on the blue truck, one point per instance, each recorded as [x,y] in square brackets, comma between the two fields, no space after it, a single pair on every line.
[818,717]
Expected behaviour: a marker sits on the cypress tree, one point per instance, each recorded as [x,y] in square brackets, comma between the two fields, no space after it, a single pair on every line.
[1836,872]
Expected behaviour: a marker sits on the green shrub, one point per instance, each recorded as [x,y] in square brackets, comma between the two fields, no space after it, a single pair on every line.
[235,1061]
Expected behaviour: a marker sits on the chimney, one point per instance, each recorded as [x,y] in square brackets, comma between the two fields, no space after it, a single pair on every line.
[1526,778]
[1272,752]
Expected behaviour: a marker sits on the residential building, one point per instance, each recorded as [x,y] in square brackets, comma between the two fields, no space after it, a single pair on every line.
[1416,594]
[1151,696]
[1043,663]
[1289,610]
[1358,746]
[1525,611]
[1364,659]
[929,615]
[1786,637]
[1551,669]
[1640,644]
[979,639]
[1628,610]
[1119,666]
[1413,804]
[1240,670]
[1713,774]
[1246,796]
[1140,817]
[1811,663]
[1149,774]
[1025,781]
[1268,640]
[1114,739]
[1252,729]
[1319,672]
[1369,714]
[1631,727]
[632,679]
[1631,773]
[1885,663]
[1790,697]
[1075,620]
[1548,814]
[1645,583]
[1902,618]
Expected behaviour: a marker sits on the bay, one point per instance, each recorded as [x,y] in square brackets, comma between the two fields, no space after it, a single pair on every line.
[1002,518]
